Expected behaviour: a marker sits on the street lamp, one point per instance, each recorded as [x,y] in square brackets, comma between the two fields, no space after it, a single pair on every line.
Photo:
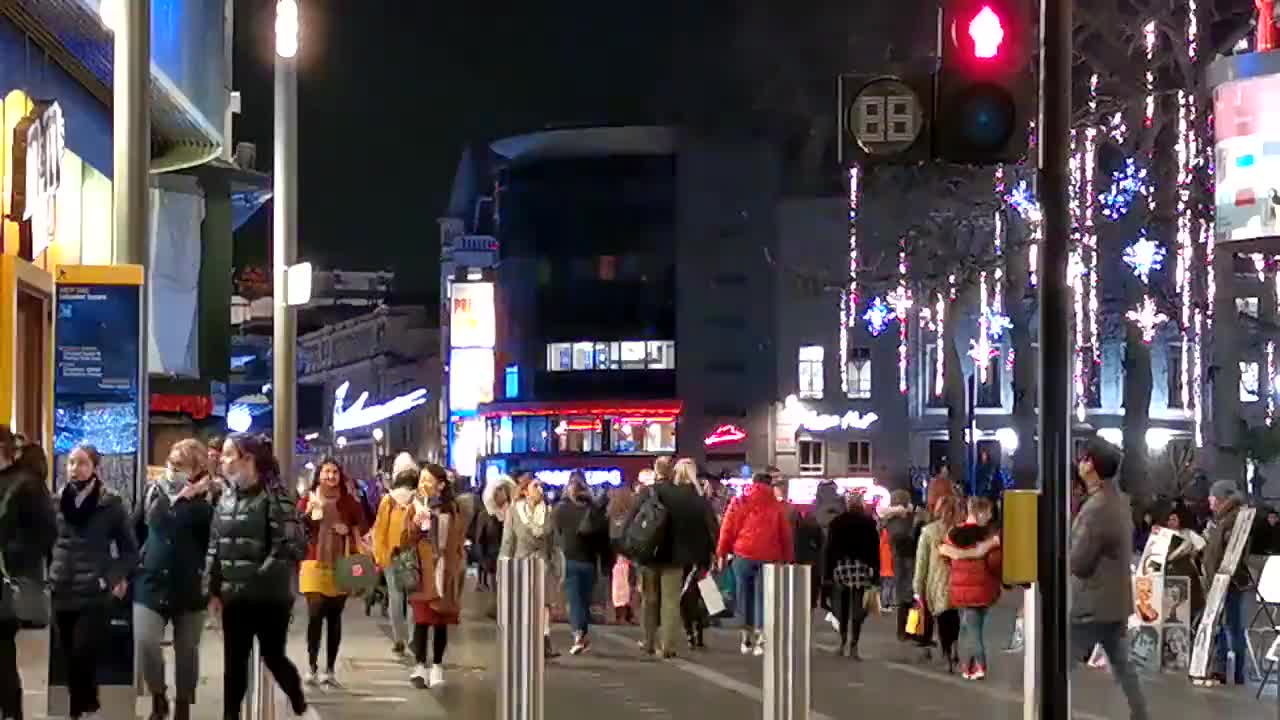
[287,25]
[378,435]
[285,233]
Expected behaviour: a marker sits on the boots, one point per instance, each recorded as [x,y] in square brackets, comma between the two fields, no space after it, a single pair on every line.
[182,710]
[159,707]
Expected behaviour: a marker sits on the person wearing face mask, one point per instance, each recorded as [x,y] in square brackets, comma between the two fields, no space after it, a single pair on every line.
[27,530]
[335,522]
[528,533]
[390,537]
[173,528]
[93,556]
[254,549]
[438,533]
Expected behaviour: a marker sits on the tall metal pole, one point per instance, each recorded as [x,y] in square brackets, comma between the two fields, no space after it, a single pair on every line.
[521,662]
[131,141]
[1055,354]
[285,245]
[788,631]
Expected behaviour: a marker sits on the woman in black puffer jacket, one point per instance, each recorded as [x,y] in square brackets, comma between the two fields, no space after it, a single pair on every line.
[255,545]
[86,574]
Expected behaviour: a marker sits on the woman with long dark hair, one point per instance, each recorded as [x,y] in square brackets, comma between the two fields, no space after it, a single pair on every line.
[86,574]
[584,536]
[335,522]
[439,533]
[254,547]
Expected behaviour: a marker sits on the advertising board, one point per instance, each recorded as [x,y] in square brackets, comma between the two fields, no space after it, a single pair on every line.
[1247,159]
[472,321]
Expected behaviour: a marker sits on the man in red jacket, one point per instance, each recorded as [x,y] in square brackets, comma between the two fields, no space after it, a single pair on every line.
[756,531]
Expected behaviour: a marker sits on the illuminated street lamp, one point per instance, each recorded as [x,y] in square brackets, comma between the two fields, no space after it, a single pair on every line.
[287,25]
[285,235]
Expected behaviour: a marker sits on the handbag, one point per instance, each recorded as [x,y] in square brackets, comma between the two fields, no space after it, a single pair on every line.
[915,622]
[871,602]
[406,575]
[355,573]
[24,599]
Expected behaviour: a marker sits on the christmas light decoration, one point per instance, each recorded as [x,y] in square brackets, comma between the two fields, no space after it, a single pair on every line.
[844,343]
[997,323]
[1147,318]
[901,302]
[1144,256]
[1127,184]
[1075,273]
[939,374]
[849,299]
[112,429]
[1021,199]
[1271,374]
[725,434]
[878,316]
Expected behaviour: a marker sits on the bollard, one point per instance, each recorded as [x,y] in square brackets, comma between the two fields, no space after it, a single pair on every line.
[787,635]
[521,665]
[259,696]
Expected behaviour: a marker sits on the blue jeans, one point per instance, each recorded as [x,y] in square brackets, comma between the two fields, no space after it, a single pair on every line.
[973,626]
[749,578]
[1114,639]
[579,586]
[398,609]
[1232,631]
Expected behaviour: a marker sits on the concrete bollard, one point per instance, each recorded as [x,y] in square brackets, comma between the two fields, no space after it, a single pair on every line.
[521,664]
[788,636]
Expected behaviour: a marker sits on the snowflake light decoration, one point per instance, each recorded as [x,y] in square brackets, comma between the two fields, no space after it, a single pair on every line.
[1021,198]
[1126,184]
[1148,318]
[878,316]
[997,323]
[1144,256]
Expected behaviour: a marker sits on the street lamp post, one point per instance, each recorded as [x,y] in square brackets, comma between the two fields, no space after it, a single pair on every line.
[285,234]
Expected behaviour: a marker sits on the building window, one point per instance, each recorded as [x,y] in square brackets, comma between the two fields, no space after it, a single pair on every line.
[560,357]
[860,373]
[1173,365]
[642,435]
[1249,382]
[989,395]
[811,372]
[811,457]
[1247,306]
[661,355]
[611,355]
[512,378]
[860,456]
[584,356]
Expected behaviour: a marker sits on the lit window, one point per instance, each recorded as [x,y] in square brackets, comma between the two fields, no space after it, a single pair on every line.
[661,355]
[811,372]
[559,357]
[1249,382]
[512,377]
[811,457]
[633,355]
[860,456]
[860,373]
[611,355]
[642,435]
[583,356]
[1247,306]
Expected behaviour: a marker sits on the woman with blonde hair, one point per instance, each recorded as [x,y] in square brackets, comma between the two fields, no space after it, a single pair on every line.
[529,532]
[932,578]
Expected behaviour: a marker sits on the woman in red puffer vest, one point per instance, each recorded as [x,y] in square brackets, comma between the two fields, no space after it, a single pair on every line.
[974,551]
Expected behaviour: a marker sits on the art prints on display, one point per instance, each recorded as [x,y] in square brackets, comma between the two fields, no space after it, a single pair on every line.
[1144,648]
[1148,598]
[1175,647]
[1176,603]
[1155,552]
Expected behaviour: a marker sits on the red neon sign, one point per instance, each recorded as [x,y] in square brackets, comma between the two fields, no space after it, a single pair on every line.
[987,33]
[725,434]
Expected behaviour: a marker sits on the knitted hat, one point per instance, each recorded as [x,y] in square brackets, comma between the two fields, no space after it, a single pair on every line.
[404,461]
[1223,489]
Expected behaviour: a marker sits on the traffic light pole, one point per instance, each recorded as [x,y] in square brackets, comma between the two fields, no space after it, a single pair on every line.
[1055,357]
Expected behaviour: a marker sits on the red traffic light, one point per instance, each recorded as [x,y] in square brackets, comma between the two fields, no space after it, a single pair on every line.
[987,33]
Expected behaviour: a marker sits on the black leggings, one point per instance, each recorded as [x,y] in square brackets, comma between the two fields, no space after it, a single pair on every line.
[948,630]
[439,642]
[322,609]
[243,621]
[81,636]
[850,612]
[10,680]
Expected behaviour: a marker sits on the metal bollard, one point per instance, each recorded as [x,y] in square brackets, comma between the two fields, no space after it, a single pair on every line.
[787,634]
[521,665]
[259,697]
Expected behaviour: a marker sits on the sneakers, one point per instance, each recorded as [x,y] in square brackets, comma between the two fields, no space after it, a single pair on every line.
[580,644]
[330,680]
[745,647]
[398,649]
[418,678]
[435,676]
[975,671]
[312,678]
[758,649]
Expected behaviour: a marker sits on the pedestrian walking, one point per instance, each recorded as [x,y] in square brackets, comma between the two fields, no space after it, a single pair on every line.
[973,547]
[390,538]
[1226,502]
[583,535]
[756,531]
[438,533]
[853,569]
[529,532]
[27,531]
[899,523]
[255,545]
[888,598]
[495,500]
[1101,553]
[931,582]
[335,522]
[93,556]
[173,529]
[621,500]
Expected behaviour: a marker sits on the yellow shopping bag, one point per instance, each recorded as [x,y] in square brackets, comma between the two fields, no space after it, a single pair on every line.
[915,622]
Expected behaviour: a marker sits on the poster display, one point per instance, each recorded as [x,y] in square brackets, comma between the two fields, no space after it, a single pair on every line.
[1218,593]
[97,342]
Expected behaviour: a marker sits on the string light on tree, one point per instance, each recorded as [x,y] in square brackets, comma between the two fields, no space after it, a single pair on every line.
[940,311]
[849,300]
[901,301]
[1127,184]
[1144,256]
[1271,374]
[1148,318]
[878,316]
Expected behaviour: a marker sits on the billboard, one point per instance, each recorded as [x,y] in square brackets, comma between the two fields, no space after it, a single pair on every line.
[1247,158]
[470,378]
[471,316]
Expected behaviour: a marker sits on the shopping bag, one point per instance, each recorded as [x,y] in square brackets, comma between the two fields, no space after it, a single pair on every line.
[915,622]
[355,574]
[871,601]
[711,596]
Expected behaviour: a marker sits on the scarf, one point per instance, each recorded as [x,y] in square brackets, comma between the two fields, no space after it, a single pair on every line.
[534,518]
[402,496]
[329,545]
[76,510]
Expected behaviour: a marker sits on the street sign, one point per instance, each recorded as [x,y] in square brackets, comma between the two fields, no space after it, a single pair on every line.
[885,117]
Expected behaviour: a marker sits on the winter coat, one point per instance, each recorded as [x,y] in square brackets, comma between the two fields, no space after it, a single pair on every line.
[757,527]
[568,517]
[852,537]
[519,539]
[1215,549]
[85,568]
[900,523]
[254,545]
[389,529]
[886,555]
[28,523]
[807,538]
[174,537]
[1100,557]
[932,577]
[975,573]
[690,536]
[443,562]
[828,503]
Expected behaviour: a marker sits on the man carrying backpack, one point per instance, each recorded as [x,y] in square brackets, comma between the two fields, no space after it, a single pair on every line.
[669,529]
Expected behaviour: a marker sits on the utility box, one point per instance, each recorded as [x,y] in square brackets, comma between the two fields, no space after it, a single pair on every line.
[1021,528]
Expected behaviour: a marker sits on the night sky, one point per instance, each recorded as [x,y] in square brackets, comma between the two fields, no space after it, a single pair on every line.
[391,90]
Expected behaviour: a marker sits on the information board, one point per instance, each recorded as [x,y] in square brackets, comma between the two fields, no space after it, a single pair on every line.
[97,333]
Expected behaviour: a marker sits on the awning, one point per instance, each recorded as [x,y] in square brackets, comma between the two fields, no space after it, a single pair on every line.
[75,37]
[625,408]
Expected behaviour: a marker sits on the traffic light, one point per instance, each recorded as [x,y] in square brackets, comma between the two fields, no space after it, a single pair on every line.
[985,88]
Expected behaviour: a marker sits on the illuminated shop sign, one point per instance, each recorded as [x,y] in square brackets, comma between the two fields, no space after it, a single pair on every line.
[358,415]
[595,477]
[470,378]
[41,144]
[471,316]
[804,490]
[724,435]
[795,414]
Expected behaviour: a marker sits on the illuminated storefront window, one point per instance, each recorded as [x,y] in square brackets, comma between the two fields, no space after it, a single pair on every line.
[614,355]
[550,434]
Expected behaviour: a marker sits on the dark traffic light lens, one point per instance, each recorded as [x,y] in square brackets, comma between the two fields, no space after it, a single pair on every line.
[986,117]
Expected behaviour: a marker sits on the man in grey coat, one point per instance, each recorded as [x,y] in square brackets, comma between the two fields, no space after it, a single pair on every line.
[1100,557]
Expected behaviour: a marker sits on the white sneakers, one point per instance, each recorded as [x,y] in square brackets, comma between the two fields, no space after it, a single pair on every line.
[758,648]
[312,678]
[424,677]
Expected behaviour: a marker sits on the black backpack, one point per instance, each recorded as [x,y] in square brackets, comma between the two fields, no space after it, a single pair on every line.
[643,535]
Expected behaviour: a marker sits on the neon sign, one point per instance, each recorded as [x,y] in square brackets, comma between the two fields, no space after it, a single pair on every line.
[358,416]
[794,413]
[725,434]
[595,477]
[804,490]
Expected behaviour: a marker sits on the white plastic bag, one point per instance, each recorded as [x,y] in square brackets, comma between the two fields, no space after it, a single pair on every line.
[711,596]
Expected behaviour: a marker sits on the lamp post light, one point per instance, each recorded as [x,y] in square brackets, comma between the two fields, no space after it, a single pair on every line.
[285,233]
[378,437]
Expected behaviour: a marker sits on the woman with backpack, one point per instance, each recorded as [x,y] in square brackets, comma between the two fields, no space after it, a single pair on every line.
[395,512]
[528,532]
[584,536]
